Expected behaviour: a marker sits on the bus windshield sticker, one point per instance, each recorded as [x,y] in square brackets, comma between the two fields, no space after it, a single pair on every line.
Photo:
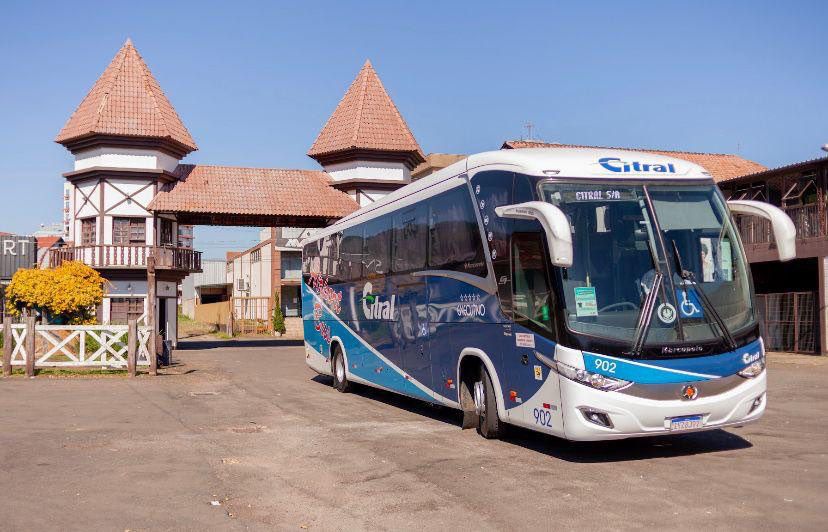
[525,340]
[586,303]
[538,373]
[666,313]
[689,304]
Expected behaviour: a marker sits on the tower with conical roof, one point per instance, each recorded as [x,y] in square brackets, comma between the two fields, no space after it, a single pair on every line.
[126,108]
[127,140]
[366,146]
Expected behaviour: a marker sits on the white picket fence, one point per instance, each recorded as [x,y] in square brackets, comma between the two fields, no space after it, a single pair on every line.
[79,346]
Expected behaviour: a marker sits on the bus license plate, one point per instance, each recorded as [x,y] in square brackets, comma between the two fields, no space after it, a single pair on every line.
[686,422]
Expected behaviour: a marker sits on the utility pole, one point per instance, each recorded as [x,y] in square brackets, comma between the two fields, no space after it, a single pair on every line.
[529,127]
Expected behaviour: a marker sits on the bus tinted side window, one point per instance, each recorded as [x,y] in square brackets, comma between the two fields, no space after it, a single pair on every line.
[310,259]
[410,238]
[350,253]
[454,242]
[377,255]
[327,258]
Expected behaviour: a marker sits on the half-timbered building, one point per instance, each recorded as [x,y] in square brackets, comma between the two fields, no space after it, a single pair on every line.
[129,203]
[127,140]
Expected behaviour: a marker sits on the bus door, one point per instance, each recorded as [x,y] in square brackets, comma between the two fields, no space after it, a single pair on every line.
[414,328]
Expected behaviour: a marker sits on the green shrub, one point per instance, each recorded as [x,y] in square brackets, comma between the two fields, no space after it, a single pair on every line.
[278,317]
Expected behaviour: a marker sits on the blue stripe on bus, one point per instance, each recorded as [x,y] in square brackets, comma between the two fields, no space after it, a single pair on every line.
[370,367]
[672,370]
[367,341]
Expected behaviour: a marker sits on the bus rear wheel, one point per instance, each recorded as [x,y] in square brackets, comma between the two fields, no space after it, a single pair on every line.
[340,376]
[485,404]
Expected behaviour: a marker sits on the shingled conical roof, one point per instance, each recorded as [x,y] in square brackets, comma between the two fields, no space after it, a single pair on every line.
[366,124]
[126,103]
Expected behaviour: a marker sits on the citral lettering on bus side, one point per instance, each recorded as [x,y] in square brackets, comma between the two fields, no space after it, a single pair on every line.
[375,308]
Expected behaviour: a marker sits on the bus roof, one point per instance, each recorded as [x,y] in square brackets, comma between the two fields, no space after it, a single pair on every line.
[591,163]
[586,163]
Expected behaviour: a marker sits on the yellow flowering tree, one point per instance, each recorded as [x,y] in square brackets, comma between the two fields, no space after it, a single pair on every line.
[69,293]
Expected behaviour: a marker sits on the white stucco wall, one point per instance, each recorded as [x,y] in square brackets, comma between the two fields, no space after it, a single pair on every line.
[366,197]
[172,320]
[255,274]
[385,171]
[116,157]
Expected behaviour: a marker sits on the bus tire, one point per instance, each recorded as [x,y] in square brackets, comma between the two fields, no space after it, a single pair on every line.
[489,425]
[340,375]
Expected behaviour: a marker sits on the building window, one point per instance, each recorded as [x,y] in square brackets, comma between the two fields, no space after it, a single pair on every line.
[185,236]
[89,231]
[256,255]
[166,230]
[129,231]
[123,309]
[291,265]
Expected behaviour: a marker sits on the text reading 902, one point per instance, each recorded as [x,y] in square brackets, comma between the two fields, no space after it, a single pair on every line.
[605,365]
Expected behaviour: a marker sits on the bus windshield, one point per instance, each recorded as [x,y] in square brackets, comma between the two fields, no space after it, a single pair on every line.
[630,240]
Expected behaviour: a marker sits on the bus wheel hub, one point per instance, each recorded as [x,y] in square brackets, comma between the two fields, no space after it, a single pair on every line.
[479,398]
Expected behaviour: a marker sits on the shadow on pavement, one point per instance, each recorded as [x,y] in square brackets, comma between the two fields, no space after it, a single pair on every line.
[432,411]
[643,448]
[197,345]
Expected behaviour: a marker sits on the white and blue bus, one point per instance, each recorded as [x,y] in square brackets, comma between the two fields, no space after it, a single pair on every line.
[588,294]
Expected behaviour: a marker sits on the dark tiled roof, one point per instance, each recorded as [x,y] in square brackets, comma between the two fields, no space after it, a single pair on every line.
[784,168]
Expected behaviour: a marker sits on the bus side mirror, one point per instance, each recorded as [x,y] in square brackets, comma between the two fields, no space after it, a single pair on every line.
[554,222]
[784,231]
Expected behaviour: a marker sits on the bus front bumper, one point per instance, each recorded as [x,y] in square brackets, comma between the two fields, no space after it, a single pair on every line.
[634,416]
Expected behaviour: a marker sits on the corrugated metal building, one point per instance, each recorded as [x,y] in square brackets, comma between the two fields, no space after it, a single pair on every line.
[15,252]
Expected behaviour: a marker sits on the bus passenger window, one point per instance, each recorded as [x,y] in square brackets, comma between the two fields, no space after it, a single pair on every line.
[454,234]
[310,259]
[377,256]
[410,238]
[531,293]
[327,255]
[350,253]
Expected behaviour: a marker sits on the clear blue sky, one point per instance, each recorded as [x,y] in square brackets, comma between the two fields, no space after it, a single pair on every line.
[255,81]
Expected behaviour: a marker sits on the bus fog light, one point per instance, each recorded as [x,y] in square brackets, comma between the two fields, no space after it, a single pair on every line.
[756,403]
[593,380]
[753,370]
[598,418]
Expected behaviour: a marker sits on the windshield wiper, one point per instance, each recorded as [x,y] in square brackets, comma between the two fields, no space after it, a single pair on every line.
[646,316]
[690,279]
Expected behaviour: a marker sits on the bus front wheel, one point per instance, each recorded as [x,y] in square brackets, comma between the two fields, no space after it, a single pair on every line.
[340,376]
[485,404]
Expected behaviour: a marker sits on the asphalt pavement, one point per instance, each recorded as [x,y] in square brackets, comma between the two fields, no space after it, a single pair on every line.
[242,435]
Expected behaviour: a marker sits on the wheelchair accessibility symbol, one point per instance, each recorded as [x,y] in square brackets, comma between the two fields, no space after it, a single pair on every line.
[689,304]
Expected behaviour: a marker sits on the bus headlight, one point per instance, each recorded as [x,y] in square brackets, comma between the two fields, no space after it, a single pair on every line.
[753,370]
[593,380]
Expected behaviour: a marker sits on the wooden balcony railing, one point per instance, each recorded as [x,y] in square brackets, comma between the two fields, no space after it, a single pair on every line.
[806,219]
[128,256]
